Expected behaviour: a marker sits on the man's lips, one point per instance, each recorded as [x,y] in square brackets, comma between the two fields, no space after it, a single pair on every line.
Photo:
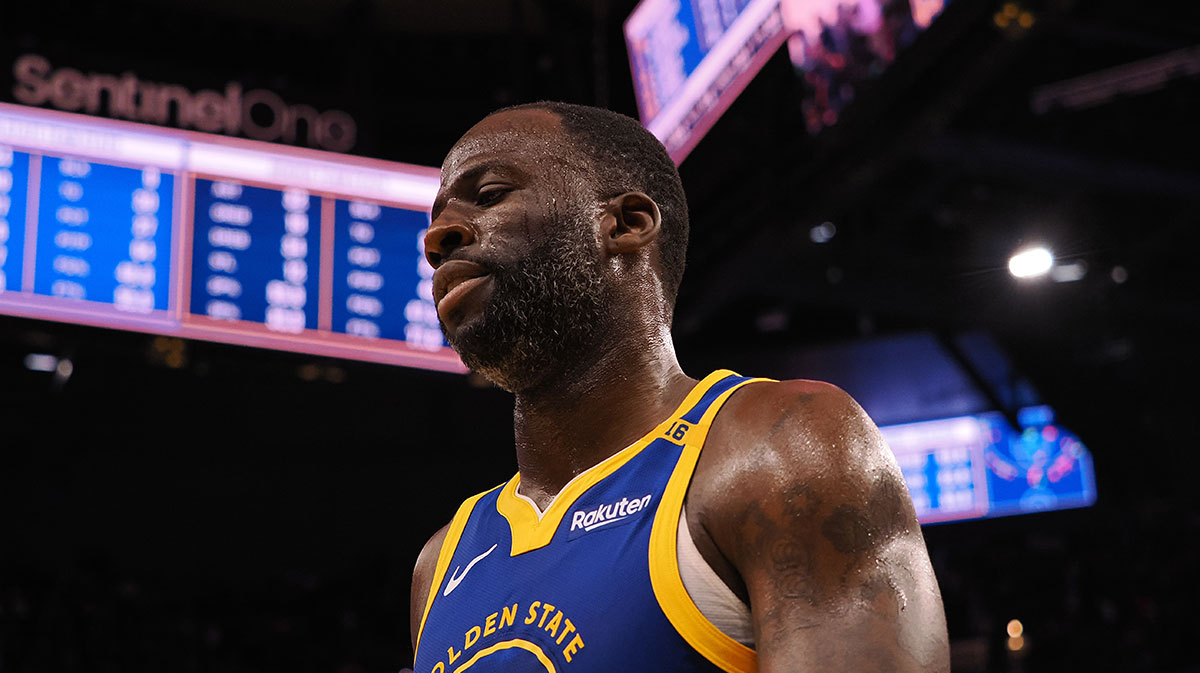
[454,279]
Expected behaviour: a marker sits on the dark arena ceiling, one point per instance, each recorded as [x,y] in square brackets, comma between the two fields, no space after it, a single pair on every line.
[1079,131]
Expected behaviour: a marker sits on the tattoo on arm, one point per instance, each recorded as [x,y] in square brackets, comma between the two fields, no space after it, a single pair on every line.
[821,581]
[853,532]
[820,528]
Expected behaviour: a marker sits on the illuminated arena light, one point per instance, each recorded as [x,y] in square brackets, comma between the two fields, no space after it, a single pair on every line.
[822,233]
[1031,262]
[40,362]
[1069,273]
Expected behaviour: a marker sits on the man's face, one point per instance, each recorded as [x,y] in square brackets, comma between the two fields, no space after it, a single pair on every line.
[519,284]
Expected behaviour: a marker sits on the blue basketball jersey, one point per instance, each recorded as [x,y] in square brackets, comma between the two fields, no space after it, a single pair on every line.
[592,584]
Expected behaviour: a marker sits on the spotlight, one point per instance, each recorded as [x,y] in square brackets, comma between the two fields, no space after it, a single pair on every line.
[1031,262]
[822,233]
[40,362]
[1069,273]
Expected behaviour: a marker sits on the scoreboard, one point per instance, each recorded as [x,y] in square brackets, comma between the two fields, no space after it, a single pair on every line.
[186,234]
[971,467]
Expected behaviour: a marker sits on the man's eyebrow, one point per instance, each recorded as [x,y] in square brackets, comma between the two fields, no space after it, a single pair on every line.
[465,177]
[482,167]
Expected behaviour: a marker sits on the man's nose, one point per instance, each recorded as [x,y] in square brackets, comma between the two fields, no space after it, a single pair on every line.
[443,237]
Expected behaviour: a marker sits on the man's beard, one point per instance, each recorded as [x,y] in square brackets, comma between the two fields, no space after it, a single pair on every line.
[545,313]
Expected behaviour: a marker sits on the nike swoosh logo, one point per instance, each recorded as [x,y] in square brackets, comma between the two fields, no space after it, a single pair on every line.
[456,579]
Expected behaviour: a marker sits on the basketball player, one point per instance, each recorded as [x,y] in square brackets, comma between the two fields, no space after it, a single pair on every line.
[657,522]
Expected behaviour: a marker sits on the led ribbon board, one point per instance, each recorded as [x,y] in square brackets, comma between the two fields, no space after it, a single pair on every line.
[186,234]
[972,467]
[691,59]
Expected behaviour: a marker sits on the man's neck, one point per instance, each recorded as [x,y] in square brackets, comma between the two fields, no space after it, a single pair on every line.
[577,420]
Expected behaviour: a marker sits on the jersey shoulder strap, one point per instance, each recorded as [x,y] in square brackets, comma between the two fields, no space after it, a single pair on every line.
[678,606]
[457,525]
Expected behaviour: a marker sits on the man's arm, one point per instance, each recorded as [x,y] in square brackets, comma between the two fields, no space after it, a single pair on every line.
[422,578]
[805,500]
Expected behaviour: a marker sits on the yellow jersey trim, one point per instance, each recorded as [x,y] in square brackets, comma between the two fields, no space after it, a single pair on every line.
[506,645]
[724,652]
[449,544]
[531,531]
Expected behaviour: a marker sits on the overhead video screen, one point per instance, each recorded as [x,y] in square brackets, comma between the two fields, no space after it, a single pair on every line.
[691,59]
[135,227]
[838,45]
[972,467]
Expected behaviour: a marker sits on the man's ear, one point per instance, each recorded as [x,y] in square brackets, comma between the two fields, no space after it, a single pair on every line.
[632,222]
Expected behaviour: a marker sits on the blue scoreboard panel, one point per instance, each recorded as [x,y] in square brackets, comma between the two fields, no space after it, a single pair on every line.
[971,467]
[186,234]
[94,251]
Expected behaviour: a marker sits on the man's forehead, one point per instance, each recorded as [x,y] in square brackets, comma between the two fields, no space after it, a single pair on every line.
[532,134]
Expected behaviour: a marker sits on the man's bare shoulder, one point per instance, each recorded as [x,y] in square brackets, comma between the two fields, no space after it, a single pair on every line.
[798,490]
[800,423]
[805,446]
[422,579]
